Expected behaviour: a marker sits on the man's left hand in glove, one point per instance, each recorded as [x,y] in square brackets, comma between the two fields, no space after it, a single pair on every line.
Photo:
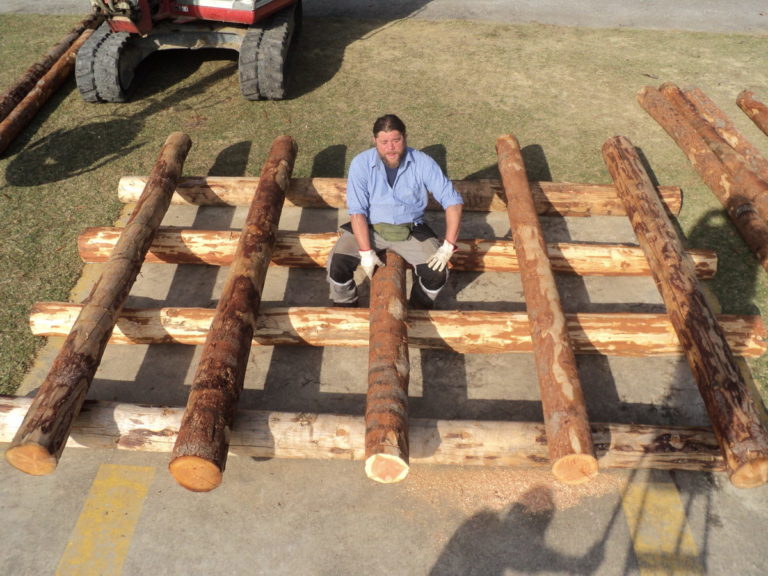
[439,260]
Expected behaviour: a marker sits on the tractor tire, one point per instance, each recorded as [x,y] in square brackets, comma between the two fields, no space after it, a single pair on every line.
[264,55]
[106,65]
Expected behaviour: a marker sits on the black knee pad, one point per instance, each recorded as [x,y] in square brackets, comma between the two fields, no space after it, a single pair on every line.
[342,268]
[431,279]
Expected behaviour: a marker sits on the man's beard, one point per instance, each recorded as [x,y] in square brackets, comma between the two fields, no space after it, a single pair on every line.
[390,164]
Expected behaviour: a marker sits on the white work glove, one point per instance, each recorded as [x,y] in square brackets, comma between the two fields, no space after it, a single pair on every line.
[439,260]
[369,260]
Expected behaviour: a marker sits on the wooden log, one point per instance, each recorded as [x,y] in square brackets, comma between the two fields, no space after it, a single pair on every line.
[200,452]
[562,400]
[552,198]
[754,108]
[742,174]
[727,131]
[752,228]
[260,434]
[734,416]
[466,332]
[40,440]
[20,116]
[16,93]
[217,248]
[386,404]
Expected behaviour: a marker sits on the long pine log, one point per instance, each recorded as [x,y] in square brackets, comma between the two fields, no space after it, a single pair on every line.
[200,452]
[732,411]
[217,248]
[16,93]
[736,201]
[260,434]
[40,440]
[754,108]
[742,173]
[22,114]
[565,414]
[386,404]
[466,332]
[551,198]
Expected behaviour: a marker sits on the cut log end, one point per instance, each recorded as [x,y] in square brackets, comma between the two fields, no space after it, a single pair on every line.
[575,469]
[195,473]
[33,459]
[386,468]
[751,474]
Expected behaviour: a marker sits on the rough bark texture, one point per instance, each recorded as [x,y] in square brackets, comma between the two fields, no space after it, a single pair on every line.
[20,116]
[732,411]
[754,108]
[200,453]
[562,399]
[742,212]
[551,198]
[741,171]
[259,434]
[40,440]
[16,93]
[466,332]
[217,248]
[386,405]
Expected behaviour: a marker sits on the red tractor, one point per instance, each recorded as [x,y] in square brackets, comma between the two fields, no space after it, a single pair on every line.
[262,32]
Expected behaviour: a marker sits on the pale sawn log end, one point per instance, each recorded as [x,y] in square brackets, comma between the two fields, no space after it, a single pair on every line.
[575,469]
[750,475]
[32,458]
[195,473]
[386,468]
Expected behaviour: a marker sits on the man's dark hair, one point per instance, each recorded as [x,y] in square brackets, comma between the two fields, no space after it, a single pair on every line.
[388,123]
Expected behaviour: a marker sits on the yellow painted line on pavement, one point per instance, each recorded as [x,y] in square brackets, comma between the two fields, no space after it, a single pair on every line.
[661,537]
[102,536]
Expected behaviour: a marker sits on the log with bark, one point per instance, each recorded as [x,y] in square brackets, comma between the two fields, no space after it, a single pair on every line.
[562,399]
[200,452]
[754,108]
[738,204]
[466,332]
[552,198]
[16,93]
[39,442]
[386,404]
[22,114]
[217,248]
[260,435]
[732,411]
[738,166]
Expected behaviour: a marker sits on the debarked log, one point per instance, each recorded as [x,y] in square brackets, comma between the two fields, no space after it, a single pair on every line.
[734,415]
[551,198]
[40,440]
[217,247]
[562,399]
[261,434]
[466,332]
[200,453]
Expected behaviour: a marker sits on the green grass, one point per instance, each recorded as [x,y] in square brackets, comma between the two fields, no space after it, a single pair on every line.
[562,89]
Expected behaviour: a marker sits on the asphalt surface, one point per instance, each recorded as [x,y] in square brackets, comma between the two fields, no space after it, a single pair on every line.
[119,512]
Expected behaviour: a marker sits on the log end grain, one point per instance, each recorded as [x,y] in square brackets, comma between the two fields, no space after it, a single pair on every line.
[195,473]
[751,474]
[386,468]
[32,458]
[575,468]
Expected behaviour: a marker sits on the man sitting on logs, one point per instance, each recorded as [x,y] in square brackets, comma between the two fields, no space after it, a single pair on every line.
[387,191]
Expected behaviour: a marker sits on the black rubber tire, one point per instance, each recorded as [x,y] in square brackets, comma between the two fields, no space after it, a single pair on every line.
[273,53]
[85,63]
[248,63]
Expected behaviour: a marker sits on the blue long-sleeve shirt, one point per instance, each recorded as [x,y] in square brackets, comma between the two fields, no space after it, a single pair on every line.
[369,193]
